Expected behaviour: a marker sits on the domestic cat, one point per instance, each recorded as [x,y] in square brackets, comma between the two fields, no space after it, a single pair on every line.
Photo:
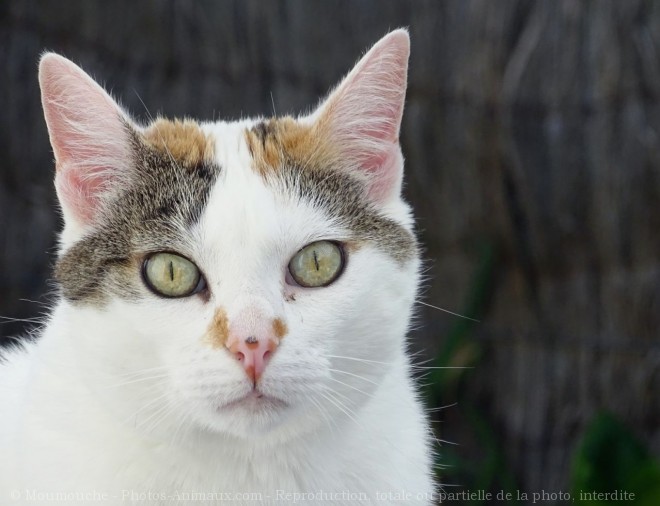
[233,307]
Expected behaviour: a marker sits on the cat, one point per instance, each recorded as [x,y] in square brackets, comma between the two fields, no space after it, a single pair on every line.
[233,305]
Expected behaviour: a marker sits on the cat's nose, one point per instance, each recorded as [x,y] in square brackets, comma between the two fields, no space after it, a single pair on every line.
[253,354]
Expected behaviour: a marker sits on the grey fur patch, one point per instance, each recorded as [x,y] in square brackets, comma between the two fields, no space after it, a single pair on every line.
[164,200]
[343,197]
[284,150]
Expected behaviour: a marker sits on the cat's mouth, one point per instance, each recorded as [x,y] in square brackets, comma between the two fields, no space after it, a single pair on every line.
[255,400]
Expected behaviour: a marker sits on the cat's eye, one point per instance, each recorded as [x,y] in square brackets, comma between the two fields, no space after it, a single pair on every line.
[317,264]
[172,275]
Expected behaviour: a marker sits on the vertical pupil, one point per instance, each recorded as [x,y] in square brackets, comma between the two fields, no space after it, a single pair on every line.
[316,261]
[171,270]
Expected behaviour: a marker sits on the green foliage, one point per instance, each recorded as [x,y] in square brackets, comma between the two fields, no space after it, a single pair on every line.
[460,352]
[452,368]
[610,459]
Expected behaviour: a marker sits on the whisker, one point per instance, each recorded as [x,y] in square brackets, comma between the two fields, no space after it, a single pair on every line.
[354,375]
[414,366]
[272,101]
[341,407]
[426,367]
[440,408]
[148,378]
[129,374]
[350,386]
[447,311]
[324,414]
[155,418]
[146,109]
[38,302]
[359,359]
[348,412]
[145,406]
[9,319]
[182,426]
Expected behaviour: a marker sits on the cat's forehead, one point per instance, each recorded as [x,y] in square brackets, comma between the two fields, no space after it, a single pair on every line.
[257,205]
[255,193]
[242,205]
[274,171]
[265,145]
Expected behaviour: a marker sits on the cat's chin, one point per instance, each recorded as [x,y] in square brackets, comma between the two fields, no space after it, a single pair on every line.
[254,402]
[253,414]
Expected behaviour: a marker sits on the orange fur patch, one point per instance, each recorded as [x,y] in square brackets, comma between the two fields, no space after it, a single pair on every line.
[218,332]
[275,141]
[279,328]
[182,140]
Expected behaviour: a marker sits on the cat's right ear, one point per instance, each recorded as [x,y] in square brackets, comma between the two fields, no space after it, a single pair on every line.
[91,139]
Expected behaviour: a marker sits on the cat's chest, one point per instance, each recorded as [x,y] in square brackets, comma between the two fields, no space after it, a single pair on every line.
[177,478]
[171,475]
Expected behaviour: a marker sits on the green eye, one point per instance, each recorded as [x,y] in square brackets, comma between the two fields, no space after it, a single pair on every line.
[317,264]
[171,275]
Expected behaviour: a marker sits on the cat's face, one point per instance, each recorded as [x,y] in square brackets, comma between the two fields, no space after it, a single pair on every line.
[249,277]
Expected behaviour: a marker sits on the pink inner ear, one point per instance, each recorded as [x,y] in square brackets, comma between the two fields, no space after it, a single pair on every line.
[81,196]
[387,176]
[364,114]
[88,133]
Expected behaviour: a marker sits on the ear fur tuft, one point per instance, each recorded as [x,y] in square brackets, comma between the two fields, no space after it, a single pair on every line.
[90,136]
[362,115]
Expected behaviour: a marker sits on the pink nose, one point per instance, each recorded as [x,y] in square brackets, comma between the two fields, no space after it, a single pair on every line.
[253,354]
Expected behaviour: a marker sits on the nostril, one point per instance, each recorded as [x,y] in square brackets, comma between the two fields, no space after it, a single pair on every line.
[240,356]
[267,355]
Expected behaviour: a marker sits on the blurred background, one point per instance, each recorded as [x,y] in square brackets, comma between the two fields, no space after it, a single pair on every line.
[531,136]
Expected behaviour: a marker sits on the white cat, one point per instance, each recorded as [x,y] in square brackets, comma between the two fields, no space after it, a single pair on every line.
[234,303]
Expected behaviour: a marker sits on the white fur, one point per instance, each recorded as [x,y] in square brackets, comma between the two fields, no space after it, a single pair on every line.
[126,400]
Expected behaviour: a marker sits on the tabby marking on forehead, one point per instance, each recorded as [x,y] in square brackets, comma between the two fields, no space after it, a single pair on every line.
[343,197]
[276,141]
[183,140]
[301,158]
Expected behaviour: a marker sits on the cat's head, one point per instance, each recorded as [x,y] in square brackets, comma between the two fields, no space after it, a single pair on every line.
[243,277]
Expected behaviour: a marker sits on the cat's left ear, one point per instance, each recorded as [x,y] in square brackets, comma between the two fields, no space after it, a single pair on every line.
[362,116]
